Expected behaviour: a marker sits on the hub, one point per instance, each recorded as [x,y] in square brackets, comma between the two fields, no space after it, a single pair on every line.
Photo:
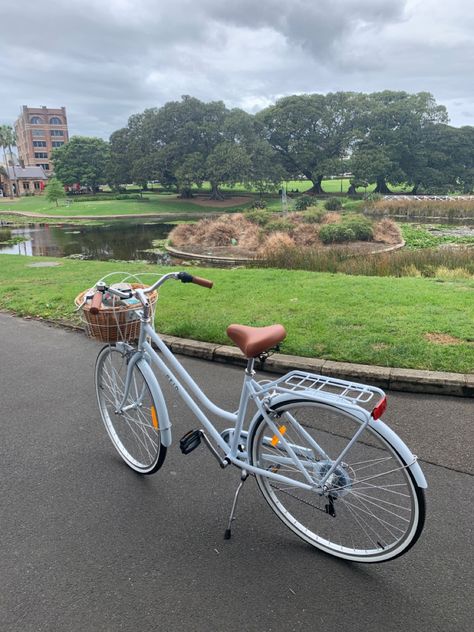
[338,484]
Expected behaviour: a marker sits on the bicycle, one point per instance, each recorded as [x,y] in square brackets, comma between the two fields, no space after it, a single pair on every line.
[325,462]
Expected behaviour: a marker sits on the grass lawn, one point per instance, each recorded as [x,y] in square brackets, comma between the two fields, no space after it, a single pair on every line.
[405,322]
[153,205]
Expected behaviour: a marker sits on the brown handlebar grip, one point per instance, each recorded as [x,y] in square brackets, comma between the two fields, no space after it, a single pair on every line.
[96,303]
[203,282]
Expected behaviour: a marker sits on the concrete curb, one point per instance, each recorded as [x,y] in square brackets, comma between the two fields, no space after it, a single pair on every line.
[408,380]
[395,379]
[237,260]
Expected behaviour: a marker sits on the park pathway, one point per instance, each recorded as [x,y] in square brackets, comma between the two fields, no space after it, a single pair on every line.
[89,545]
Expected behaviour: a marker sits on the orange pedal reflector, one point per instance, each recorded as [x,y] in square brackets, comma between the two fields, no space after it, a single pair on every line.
[276,439]
[154,418]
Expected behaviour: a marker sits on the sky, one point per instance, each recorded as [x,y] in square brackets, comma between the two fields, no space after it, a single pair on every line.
[107,59]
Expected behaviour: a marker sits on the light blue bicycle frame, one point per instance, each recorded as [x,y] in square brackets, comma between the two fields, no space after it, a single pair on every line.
[263,396]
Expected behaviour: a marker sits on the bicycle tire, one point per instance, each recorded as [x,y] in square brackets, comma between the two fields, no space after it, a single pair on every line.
[134,433]
[376,511]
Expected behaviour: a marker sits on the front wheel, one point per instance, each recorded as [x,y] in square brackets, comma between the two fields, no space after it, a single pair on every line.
[134,430]
[370,509]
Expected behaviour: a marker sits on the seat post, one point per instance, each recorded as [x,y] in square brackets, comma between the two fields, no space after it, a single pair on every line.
[250,363]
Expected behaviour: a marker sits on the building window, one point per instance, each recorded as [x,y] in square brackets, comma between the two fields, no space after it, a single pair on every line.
[39,143]
[57,132]
[41,154]
[54,120]
[37,186]
[35,120]
[26,186]
[37,132]
[57,143]
[45,167]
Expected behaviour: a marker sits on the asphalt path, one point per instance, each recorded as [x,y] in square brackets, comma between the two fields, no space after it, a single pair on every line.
[88,545]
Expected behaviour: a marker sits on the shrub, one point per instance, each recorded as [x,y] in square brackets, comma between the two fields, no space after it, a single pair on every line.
[333,204]
[128,196]
[279,225]
[303,202]
[361,227]
[373,197]
[313,215]
[336,233]
[259,217]
[258,204]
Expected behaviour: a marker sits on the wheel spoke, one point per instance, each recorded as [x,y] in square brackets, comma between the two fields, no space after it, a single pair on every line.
[367,510]
[132,430]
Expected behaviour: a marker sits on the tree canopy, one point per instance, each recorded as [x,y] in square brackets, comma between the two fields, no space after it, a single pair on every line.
[55,190]
[381,138]
[82,159]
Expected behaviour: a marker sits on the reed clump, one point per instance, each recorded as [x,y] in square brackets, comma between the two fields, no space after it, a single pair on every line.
[403,208]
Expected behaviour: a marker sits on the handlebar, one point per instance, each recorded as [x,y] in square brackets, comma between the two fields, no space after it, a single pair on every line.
[184,277]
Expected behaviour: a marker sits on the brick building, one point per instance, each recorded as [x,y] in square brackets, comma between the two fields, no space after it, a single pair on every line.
[38,132]
[18,180]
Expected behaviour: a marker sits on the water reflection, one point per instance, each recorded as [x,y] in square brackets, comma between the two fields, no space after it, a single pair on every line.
[120,240]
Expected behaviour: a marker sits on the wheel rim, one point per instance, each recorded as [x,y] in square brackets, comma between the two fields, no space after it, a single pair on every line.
[134,432]
[370,511]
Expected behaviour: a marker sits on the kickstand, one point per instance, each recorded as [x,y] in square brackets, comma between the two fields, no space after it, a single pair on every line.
[243,478]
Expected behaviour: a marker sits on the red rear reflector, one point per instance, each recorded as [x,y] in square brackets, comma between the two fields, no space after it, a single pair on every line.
[380,408]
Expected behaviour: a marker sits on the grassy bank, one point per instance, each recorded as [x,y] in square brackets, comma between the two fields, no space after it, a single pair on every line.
[407,322]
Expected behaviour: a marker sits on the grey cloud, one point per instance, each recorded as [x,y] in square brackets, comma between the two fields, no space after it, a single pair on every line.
[107,60]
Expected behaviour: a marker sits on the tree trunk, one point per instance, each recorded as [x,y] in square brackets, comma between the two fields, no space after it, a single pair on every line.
[215,193]
[10,186]
[382,186]
[185,193]
[14,172]
[316,189]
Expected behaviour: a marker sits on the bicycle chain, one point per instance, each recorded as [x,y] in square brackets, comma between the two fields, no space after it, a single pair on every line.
[306,502]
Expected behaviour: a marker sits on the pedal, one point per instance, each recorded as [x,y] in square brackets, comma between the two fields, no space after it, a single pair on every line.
[190,441]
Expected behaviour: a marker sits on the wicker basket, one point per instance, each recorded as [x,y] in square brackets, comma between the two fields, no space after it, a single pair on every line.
[115,323]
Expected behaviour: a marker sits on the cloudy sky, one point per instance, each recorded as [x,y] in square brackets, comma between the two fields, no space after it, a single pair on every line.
[107,59]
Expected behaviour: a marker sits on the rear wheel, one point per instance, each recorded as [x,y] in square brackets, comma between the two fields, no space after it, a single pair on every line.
[371,509]
[134,431]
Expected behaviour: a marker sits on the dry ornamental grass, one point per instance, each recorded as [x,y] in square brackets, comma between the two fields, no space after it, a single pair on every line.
[276,234]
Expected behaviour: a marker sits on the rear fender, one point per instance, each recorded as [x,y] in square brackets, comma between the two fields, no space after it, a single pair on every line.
[403,450]
[361,415]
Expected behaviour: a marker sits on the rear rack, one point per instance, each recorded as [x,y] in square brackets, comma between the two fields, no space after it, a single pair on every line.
[331,388]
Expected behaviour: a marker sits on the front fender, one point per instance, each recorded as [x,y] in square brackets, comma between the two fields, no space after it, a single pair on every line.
[161,408]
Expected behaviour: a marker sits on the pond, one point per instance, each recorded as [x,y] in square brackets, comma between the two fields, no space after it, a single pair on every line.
[119,240]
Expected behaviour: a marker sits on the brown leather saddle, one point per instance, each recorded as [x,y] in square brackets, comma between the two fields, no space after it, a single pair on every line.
[253,341]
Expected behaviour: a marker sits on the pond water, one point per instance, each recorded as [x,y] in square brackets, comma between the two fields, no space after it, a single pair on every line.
[119,240]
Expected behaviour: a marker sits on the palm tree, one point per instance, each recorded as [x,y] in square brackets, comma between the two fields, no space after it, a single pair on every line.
[7,140]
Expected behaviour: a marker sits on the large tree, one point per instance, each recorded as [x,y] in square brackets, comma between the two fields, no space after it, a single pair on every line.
[119,166]
[312,133]
[391,132]
[177,144]
[264,171]
[82,160]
